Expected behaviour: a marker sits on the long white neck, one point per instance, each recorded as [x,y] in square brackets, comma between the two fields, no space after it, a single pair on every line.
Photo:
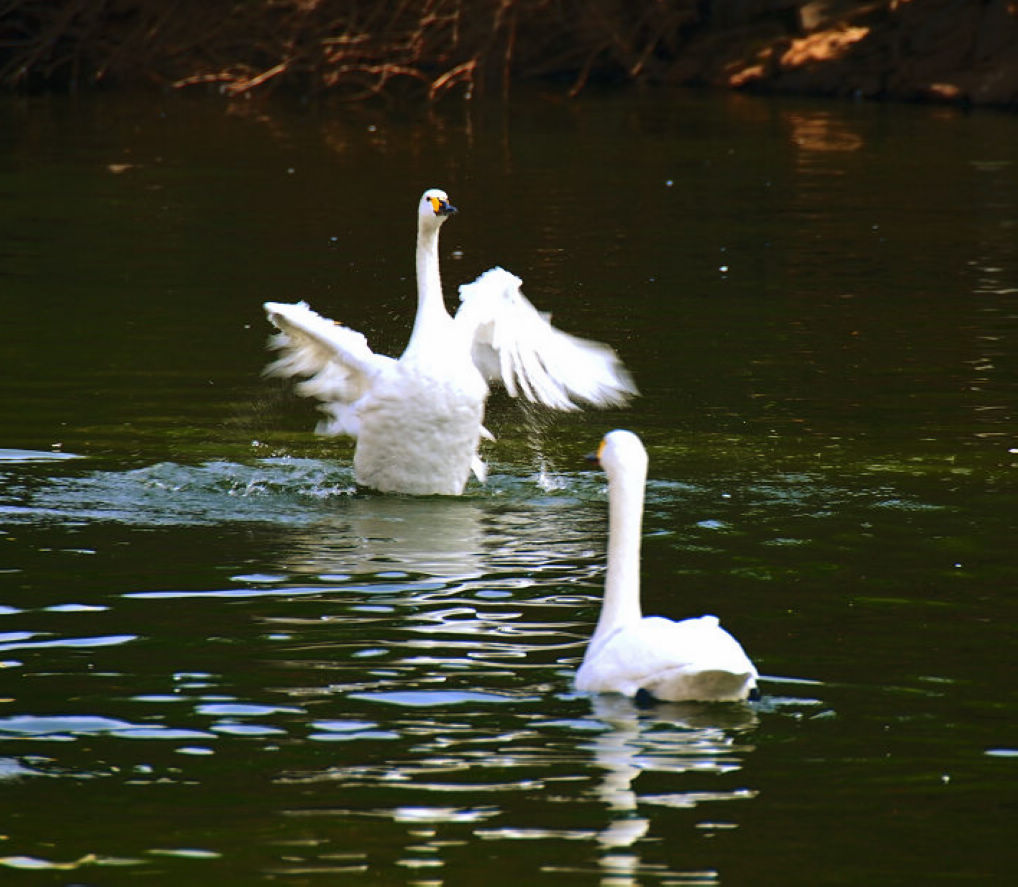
[621,603]
[432,316]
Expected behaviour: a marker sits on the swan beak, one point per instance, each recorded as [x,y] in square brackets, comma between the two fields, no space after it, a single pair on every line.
[595,457]
[442,207]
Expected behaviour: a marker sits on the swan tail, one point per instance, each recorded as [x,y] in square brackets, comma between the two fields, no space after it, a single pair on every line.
[516,344]
[703,685]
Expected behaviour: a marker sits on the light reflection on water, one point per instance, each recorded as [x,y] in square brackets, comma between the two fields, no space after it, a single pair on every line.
[563,761]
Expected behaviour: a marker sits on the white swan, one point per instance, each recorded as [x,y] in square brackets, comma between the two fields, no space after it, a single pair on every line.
[695,659]
[417,420]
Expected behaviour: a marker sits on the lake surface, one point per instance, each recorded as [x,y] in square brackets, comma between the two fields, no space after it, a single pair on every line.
[220,663]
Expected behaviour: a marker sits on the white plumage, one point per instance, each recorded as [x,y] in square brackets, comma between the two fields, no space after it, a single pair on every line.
[418,419]
[695,659]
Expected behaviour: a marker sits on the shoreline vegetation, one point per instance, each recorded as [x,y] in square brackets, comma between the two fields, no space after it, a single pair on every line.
[961,52]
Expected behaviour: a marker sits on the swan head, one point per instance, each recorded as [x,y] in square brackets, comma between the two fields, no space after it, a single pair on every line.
[434,208]
[621,451]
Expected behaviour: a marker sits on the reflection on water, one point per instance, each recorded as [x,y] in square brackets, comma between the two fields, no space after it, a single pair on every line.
[675,738]
[824,131]
[534,762]
[372,534]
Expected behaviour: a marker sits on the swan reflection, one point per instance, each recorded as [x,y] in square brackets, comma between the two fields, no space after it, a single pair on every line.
[672,737]
[375,534]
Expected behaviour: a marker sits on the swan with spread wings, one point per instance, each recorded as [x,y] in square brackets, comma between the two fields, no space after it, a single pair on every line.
[418,419]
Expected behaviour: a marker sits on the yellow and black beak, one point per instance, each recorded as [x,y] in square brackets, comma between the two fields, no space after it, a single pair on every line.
[596,456]
[442,207]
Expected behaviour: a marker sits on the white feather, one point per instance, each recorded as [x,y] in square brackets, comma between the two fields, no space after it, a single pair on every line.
[339,366]
[516,344]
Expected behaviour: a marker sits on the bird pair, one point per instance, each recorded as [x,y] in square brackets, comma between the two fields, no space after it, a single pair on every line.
[418,425]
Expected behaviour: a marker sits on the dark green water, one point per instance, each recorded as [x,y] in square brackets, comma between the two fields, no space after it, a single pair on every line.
[222,665]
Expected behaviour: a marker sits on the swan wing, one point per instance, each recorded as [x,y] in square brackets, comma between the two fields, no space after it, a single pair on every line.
[338,366]
[516,344]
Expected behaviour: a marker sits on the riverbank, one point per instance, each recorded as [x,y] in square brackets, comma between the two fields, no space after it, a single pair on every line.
[957,51]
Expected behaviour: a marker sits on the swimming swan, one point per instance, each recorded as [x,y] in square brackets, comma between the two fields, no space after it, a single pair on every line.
[695,659]
[417,420]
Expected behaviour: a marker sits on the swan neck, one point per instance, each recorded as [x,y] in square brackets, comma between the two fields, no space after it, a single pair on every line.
[625,526]
[431,310]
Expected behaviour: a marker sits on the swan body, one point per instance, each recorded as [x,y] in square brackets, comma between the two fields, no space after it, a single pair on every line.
[418,419]
[691,660]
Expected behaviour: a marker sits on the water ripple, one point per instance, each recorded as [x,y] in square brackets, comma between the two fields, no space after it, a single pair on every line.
[20,641]
[57,728]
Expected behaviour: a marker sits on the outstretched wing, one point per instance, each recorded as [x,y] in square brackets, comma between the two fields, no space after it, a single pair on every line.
[515,343]
[336,362]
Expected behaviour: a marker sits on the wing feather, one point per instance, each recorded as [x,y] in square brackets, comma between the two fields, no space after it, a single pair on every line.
[516,344]
[335,360]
